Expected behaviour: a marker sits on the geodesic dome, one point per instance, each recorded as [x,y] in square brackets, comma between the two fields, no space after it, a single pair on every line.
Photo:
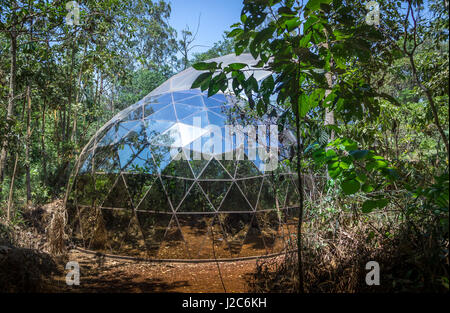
[140,189]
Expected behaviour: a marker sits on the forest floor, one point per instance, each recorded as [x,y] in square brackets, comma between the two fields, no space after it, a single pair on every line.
[26,265]
[117,275]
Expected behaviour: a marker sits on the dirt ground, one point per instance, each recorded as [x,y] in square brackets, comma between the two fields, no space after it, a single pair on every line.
[117,275]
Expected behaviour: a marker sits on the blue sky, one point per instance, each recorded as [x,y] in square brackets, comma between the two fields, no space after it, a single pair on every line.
[216,16]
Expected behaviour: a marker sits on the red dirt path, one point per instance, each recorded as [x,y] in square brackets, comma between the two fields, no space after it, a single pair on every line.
[114,275]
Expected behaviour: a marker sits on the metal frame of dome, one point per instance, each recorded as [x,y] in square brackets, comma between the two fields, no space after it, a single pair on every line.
[127,196]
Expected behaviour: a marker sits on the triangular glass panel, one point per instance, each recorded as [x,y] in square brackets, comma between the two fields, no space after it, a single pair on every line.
[214,170]
[154,227]
[161,156]
[173,245]
[138,185]
[137,137]
[169,138]
[134,243]
[143,163]
[178,168]
[155,128]
[154,107]
[165,98]
[167,114]
[88,221]
[270,224]
[176,188]
[215,244]
[193,101]
[136,114]
[200,147]
[106,160]
[124,128]
[156,103]
[189,133]
[266,199]
[235,228]
[292,198]
[109,137]
[235,201]
[179,135]
[194,229]
[118,196]
[216,119]
[198,119]
[184,110]
[219,97]
[195,201]
[230,166]
[116,222]
[215,191]
[246,169]
[84,189]
[103,185]
[155,200]
[254,241]
[126,154]
[181,96]
[211,102]
[250,188]
[198,166]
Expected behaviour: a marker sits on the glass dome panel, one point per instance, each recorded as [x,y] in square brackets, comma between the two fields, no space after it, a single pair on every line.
[164,179]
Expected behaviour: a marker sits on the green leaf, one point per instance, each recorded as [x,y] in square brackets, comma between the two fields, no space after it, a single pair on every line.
[263,35]
[202,80]
[330,153]
[304,105]
[334,172]
[261,107]
[314,5]
[235,32]
[268,84]
[252,84]
[217,83]
[286,11]
[367,188]
[204,66]
[369,205]
[309,22]
[349,144]
[237,66]
[350,187]
[292,24]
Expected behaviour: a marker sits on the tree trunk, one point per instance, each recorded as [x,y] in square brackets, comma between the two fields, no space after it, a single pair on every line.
[10,110]
[27,146]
